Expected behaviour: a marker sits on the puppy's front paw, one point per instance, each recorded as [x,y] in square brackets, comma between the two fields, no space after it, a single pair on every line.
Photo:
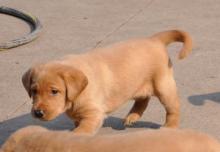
[131,119]
[80,131]
[171,125]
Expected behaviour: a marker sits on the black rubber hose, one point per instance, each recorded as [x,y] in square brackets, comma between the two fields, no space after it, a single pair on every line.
[31,20]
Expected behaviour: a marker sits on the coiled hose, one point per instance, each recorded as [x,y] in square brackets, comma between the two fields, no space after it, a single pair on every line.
[34,23]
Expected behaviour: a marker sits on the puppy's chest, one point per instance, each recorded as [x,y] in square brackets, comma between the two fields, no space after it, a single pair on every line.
[74,114]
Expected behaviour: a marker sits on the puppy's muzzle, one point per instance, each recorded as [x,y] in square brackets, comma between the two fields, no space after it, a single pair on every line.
[38,113]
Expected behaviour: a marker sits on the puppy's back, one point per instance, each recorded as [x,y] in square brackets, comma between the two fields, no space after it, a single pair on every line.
[163,140]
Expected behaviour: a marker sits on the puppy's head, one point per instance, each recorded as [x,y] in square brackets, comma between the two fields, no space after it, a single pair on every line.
[13,142]
[53,87]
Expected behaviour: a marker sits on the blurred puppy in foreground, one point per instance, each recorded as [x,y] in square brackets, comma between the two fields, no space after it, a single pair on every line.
[38,139]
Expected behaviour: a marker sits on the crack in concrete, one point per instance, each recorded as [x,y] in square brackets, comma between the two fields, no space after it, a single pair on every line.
[13,112]
[122,24]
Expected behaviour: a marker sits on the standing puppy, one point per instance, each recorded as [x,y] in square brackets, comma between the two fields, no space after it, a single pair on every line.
[38,139]
[88,86]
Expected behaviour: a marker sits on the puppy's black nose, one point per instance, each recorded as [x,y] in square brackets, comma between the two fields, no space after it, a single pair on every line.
[38,113]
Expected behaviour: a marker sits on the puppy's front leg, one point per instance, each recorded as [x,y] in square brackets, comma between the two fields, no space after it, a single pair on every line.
[89,124]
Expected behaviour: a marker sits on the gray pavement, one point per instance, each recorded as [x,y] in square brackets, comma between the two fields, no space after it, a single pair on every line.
[72,26]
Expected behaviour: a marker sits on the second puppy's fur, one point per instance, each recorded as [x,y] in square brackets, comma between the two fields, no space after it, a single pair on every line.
[38,139]
[90,85]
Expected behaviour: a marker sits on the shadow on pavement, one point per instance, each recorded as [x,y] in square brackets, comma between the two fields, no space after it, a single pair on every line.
[7,127]
[11,125]
[199,100]
[117,124]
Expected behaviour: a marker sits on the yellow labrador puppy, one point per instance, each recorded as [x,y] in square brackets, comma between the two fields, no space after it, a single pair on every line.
[37,139]
[90,85]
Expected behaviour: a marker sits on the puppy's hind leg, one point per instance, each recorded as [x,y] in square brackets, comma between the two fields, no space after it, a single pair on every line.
[137,110]
[167,93]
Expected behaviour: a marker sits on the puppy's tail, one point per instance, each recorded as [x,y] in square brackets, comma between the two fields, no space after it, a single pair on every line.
[168,37]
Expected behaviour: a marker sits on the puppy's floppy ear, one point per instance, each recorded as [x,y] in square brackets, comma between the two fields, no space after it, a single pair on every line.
[12,142]
[75,81]
[9,145]
[14,139]
[26,80]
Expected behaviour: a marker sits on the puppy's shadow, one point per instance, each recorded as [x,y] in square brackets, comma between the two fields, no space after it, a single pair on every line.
[9,126]
[199,100]
[117,124]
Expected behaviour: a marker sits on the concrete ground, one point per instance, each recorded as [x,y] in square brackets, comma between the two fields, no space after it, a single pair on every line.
[72,26]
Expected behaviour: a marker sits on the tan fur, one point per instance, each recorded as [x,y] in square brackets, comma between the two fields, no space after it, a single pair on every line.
[37,139]
[96,83]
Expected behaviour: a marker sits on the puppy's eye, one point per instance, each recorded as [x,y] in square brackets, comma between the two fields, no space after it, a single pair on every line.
[34,92]
[54,92]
